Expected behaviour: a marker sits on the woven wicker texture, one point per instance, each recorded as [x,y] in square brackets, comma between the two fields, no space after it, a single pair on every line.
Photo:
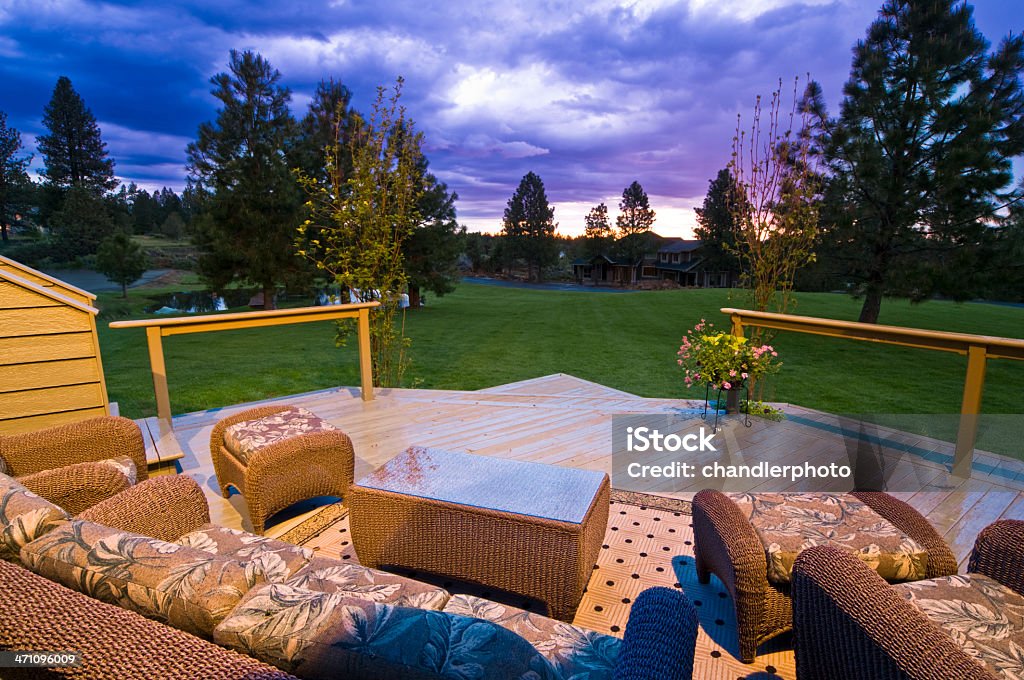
[76,487]
[728,547]
[87,440]
[850,624]
[37,614]
[540,558]
[165,507]
[662,624]
[999,553]
[278,475]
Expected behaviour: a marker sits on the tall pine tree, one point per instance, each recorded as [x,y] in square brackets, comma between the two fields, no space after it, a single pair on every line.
[14,181]
[921,151]
[635,213]
[597,231]
[240,162]
[529,225]
[716,226]
[74,152]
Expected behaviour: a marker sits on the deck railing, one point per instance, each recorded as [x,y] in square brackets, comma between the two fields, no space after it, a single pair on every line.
[157,329]
[977,348]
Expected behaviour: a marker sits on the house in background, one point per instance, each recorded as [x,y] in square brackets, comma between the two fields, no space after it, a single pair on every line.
[672,259]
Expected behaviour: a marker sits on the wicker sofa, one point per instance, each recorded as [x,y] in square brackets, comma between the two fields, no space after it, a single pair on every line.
[849,623]
[280,604]
[60,463]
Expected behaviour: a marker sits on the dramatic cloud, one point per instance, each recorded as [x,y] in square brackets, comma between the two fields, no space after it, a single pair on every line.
[588,95]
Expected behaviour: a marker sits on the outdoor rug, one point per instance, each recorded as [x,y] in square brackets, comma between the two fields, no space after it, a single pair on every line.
[649,542]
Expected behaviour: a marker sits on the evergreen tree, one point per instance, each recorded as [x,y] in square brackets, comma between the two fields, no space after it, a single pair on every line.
[74,152]
[716,227]
[121,260]
[433,248]
[921,150]
[80,225]
[251,200]
[529,225]
[597,232]
[15,184]
[327,122]
[635,214]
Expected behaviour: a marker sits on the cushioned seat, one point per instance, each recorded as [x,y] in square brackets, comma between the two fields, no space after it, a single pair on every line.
[24,517]
[985,617]
[276,560]
[576,652]
[244,438]
[790,523]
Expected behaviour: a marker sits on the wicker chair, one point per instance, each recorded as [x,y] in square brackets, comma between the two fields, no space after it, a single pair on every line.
[280,474]
[58,463]
[726,545]
[848,623]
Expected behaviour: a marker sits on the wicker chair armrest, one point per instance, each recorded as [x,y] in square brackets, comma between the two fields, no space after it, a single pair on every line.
[719,525]
[87,440]
[849,623]
[999,553]
[217,435]
[660,637]
[165,507]
[278,458]
[941,560]
[77,487]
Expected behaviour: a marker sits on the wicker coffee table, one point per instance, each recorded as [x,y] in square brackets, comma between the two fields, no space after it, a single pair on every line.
[525,528]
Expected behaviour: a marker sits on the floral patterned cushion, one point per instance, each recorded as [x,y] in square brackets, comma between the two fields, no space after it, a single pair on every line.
[276,560]
[787,523]
[24,517]
[327,635]
[578,653]
[124,465]
[187,588]
[984,617]
[352,580]
[242,439]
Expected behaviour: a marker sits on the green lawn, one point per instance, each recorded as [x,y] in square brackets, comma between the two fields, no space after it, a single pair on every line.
[481,336]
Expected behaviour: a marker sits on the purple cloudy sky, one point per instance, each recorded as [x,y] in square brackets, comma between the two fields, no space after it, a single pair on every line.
[589,95]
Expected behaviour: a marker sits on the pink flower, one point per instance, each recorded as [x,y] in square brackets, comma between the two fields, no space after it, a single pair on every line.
[744,376]
[774,353]
[732,373]
[679,361]
[727,385]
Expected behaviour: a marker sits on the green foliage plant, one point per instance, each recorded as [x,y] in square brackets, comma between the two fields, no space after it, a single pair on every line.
[358,223]
[723,360]
[121,260]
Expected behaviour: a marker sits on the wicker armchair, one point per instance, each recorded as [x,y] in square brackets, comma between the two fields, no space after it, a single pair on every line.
[280,474]
[726,545]
[58,462]
[849,623]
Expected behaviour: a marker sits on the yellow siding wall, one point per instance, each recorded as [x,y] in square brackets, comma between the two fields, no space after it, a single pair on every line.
[50,369]
[11,267]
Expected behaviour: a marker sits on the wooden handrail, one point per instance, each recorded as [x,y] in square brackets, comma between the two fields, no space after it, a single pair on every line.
[977,348]
[156,329]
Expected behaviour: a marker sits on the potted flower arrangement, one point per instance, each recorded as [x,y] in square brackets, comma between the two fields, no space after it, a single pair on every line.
[723,361]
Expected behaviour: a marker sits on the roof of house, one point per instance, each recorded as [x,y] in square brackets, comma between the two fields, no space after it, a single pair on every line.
[680,246]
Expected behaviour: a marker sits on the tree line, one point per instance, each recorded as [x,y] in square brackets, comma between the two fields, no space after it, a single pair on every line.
[908,190]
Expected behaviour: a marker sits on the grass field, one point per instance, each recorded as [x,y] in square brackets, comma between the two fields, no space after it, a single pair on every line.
[481,336]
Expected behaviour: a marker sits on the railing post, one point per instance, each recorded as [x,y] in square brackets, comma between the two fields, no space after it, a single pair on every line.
[159,369]
[970,411]
[365,360]
[737,325]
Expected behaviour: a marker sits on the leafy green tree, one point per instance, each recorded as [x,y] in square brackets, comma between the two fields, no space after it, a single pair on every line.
[359,224]
[240,163]
[529,226]
[173,227]
[121,260]
[716,227]
[15,184]
[73,151]
[81,224]
[597,231]
[635,213]
[921,151]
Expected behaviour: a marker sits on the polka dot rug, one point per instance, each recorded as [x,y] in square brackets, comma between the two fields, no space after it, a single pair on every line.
[649,542]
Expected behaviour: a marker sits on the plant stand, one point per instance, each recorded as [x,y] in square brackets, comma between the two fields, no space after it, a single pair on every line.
[718,401]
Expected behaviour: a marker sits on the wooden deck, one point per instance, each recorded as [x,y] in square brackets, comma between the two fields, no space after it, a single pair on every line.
[563,420]
[559,419]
